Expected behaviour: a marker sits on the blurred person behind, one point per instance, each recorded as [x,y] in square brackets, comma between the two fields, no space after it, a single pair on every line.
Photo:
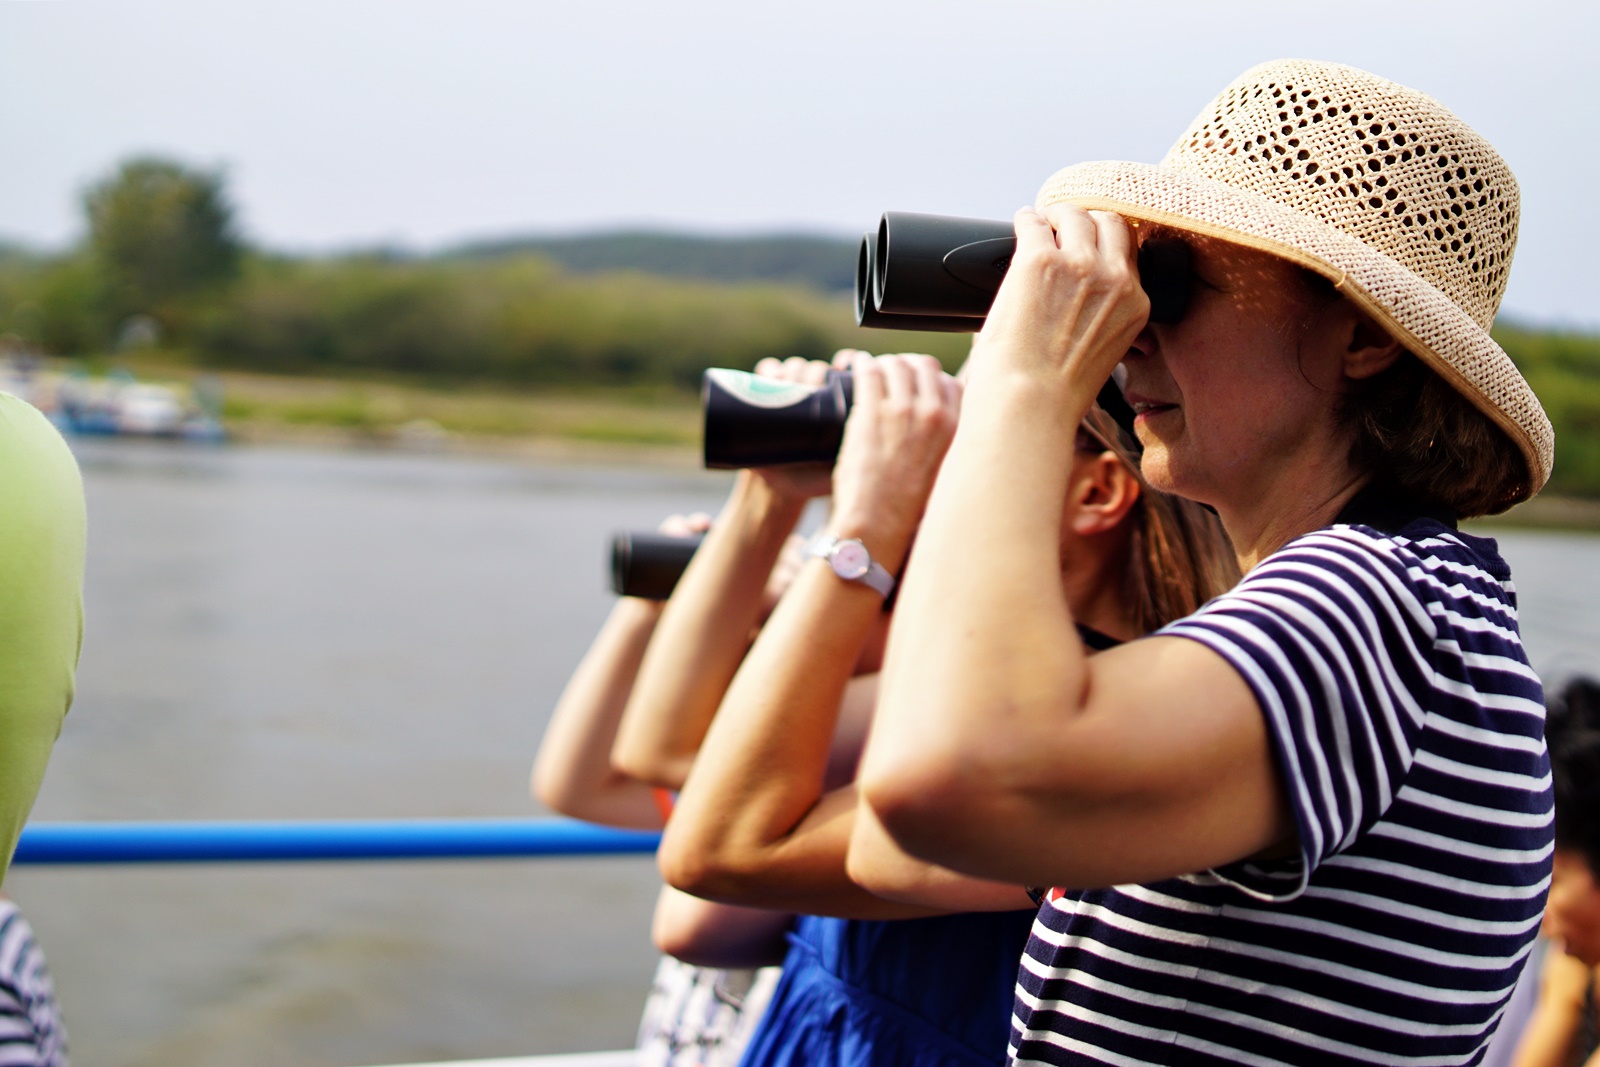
[32,1033]
[1564,1030]
[42,534]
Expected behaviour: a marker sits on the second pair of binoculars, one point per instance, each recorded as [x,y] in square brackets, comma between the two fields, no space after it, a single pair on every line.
[941,273]
[752,421]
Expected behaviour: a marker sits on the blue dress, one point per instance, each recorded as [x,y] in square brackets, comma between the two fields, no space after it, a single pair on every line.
[931,992]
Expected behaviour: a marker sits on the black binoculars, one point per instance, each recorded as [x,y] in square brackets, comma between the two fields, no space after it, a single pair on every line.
[649,565]
[752,421]
[918,272]
[941,272]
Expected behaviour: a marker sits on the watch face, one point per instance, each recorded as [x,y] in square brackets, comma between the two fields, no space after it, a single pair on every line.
[850,560]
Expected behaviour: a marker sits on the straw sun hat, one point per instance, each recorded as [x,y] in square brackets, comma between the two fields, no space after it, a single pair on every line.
[1378,187]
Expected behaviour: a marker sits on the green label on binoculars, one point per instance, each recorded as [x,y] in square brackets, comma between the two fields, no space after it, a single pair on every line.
[760,392]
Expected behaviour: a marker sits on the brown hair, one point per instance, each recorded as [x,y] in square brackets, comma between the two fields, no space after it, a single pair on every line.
[1416,434]
[1178,555]
[1424,440]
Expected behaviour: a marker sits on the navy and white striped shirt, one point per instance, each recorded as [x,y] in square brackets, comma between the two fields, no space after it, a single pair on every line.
[1409,730]
[31,1034]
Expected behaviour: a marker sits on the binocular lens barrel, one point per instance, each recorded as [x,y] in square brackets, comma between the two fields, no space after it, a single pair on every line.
[942,272]
[649,565]
[867,313]
[759,422]
[940,264]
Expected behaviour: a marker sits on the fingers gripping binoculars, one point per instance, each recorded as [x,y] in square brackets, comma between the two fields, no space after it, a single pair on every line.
[941,272]
[759,422]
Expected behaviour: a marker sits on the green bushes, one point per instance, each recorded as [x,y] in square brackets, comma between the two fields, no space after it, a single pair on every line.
[520,321]
[1564,370]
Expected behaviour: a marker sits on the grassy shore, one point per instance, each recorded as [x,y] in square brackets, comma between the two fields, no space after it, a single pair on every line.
[658,425]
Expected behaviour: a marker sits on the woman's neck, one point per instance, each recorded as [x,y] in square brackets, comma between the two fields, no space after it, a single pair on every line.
[1271,519]
[1096,588]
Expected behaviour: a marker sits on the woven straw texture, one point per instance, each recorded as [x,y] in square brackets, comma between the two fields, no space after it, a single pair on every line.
[1376,186]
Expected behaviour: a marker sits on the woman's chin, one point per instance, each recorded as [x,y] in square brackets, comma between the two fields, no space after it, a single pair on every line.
[1155,463]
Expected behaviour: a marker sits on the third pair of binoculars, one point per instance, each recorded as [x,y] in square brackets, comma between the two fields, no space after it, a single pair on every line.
[916,272]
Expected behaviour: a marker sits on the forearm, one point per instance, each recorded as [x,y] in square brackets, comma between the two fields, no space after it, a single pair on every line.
[572,773]
[753,825]
[984,658]
[747,820]
[703,635]
[718,935]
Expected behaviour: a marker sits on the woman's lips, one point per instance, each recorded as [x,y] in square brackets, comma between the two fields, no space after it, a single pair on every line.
[1145,409]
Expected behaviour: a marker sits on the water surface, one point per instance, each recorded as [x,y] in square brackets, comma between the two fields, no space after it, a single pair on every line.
[283,634]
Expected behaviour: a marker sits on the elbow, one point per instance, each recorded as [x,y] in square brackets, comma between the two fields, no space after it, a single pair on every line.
[662,770]
[555,791]
[924,804]
[681,867]
[869,869]
[704,870]
[682,941]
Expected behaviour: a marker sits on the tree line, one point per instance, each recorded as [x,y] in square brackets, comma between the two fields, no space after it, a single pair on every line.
[163,259]
[162,251]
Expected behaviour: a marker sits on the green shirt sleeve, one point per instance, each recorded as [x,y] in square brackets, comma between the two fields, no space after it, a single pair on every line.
[42,530]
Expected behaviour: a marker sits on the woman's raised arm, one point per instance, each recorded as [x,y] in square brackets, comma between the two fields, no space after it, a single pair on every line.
[999,749]
[706,626]
[572,773]
[754,825]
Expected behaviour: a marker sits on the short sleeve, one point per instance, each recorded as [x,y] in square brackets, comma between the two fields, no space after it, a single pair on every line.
[1335,643]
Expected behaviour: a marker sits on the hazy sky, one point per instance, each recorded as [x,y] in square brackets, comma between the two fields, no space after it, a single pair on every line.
[350,122]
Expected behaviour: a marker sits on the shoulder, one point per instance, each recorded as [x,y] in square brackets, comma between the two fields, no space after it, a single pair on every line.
[1427,571]
[1346,598]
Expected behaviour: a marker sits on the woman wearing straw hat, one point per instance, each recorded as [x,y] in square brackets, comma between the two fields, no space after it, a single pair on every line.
[1323,800]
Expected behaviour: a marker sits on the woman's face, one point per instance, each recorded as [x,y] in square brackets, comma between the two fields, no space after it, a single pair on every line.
[1238,387]
[1572,914]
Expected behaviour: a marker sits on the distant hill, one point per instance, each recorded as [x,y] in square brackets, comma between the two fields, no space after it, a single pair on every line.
[17,253]
[826,263]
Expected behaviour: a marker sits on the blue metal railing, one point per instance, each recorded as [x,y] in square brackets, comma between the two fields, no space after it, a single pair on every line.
[319,840]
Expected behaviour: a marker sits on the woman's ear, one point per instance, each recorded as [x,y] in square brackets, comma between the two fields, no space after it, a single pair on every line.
[1103,491]
[1370,350]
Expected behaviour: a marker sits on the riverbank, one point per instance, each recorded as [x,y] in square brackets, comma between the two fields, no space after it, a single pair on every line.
[656,427]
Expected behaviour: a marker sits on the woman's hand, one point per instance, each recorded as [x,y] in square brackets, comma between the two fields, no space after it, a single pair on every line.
[800,481]
[901,423]
[1070,306]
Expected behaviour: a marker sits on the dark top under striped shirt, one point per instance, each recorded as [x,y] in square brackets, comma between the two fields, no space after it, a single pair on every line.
[1409,729]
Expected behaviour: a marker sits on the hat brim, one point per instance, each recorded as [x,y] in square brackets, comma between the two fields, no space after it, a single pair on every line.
[1412,309]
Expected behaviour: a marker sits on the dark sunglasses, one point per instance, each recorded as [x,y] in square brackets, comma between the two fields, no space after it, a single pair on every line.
[1166,272]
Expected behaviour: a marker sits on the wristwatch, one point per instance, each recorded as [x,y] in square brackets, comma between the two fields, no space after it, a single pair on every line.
[851,561]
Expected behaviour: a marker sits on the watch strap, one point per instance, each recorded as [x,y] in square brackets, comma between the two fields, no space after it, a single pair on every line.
[876,577]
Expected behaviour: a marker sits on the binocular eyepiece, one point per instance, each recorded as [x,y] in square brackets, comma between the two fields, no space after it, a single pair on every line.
[941,272]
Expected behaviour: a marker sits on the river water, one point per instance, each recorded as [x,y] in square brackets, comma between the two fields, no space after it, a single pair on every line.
[288,634]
